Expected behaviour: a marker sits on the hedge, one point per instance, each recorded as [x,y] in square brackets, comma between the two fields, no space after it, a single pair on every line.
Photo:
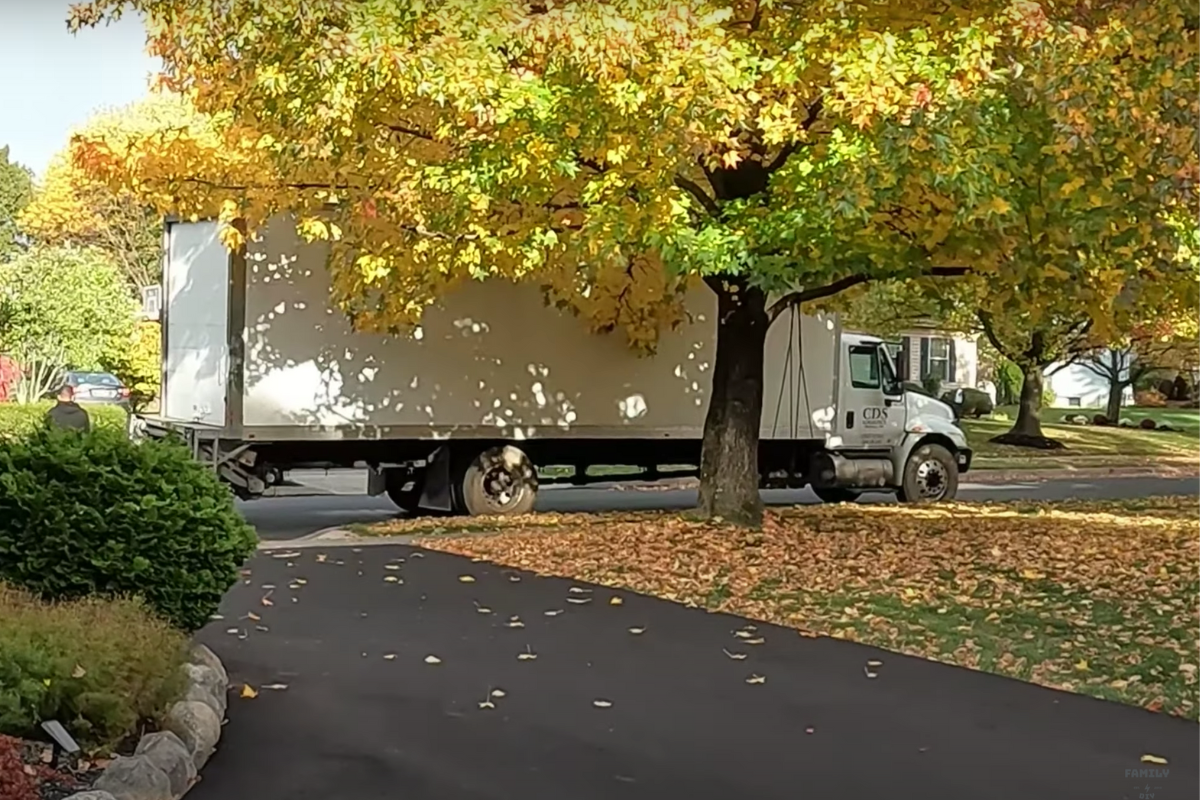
[22,419]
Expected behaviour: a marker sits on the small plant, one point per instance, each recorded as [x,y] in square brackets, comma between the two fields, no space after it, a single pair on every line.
[99,514]
[1149,398]
[1147,424]
[20,419]
[1101,420]
[98,666]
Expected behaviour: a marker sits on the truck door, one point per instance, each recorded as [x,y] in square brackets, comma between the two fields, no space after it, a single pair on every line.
[871,416]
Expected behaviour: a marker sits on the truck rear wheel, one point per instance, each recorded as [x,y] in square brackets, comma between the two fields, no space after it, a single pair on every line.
[836,494]
[404,488]
[500,480]
[930,476]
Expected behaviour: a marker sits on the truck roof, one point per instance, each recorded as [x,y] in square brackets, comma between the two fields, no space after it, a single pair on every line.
[860,338]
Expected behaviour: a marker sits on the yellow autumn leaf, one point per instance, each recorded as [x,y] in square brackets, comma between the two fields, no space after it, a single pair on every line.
[248,692]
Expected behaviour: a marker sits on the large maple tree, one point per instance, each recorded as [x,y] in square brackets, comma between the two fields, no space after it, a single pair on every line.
[614,152]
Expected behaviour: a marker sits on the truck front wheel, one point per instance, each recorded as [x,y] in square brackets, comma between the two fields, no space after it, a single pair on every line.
[500,480]
[930,476]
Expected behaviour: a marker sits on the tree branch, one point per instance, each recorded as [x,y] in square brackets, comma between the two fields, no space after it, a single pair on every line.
[701,196]
[417,132]
[841,285]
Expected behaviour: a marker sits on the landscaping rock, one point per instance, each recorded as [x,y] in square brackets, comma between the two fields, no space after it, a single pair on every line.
[168,752]
[135,778]
[91,795]
[203,656]
[205,684]
[198,725]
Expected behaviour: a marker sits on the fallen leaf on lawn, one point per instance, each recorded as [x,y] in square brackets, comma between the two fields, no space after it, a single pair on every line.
[528,655]
[1032,574]
[579,600]
[756,679]
[637,631]
[615,601]
[1151,759]
[1082,665]
[734,656]
[756,640]
[1119,684]
[466,579]
[579,590]
[873,663]
[276,687]
[809,634]
[432,660]
[554,612]
[248,692]
[602,703]
[389,656]
[478,560]
[78,672]
[498,693]
[390,579]
[867,671]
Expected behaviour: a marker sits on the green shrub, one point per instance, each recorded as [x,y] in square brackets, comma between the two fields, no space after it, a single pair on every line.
[975,403]
[98,666]
[22,419]
[99,514]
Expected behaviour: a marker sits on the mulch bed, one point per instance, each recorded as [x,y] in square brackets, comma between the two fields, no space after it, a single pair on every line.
[50,776]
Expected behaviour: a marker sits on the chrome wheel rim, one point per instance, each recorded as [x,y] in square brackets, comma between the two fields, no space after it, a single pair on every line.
[501,488]
[932,480]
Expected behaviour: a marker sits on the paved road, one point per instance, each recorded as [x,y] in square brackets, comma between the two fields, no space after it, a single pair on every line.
[288,518]
[354,724]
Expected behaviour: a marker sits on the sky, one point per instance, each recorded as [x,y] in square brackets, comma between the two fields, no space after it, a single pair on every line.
[52,81]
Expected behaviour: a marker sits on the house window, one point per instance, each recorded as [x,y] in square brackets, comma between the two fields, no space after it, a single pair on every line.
[864,367]
[937,359]
[1075,402]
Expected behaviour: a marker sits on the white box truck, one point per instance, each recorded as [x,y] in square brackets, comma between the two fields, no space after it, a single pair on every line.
[471,410]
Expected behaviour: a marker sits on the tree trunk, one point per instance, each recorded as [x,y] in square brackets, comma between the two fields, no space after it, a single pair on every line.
[1029,407]
[729,478]
[1116,389]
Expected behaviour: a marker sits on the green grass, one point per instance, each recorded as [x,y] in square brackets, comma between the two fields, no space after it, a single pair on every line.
[1090,445]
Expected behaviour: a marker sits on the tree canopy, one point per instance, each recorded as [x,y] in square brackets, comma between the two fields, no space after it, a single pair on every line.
[16,188]
[613,152]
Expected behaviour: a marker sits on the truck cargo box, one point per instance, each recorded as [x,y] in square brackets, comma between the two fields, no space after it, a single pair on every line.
[254,350]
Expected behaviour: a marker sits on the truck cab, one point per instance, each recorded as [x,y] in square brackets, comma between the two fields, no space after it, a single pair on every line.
[885,438]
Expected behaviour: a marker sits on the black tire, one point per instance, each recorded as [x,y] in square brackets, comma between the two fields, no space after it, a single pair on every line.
[404,489]
[836,494]
[500,480]
[930,476]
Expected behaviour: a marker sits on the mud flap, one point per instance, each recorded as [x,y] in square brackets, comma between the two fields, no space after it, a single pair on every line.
[376,481]
[435,494]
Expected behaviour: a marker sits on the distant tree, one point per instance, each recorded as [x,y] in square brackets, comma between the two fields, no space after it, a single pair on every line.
[71,208]
[1155,346]
[66,307]
[16,189]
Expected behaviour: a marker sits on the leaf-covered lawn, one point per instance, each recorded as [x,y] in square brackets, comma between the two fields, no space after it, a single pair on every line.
[1099,598]
[1090,445]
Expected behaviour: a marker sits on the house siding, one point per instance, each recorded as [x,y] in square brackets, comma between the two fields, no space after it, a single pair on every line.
[966,357]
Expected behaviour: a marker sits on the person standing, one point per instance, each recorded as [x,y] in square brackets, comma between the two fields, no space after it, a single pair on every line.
[67,414]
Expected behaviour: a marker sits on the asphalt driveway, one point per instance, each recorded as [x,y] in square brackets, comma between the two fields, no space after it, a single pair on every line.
[602,712]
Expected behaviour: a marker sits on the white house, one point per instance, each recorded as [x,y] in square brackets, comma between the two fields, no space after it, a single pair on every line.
[1077,386]
[953,358]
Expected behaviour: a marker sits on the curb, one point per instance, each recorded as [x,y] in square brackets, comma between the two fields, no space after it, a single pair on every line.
[1005,476]
[166,763]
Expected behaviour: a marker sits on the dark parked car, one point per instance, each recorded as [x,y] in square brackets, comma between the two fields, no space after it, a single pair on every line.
[98,387]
